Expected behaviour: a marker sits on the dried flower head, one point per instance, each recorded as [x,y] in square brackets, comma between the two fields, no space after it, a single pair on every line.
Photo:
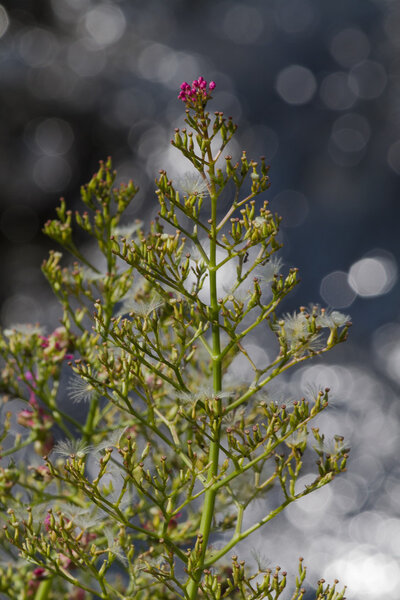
[80,390]
[74,447]
[193,184]
[332,319]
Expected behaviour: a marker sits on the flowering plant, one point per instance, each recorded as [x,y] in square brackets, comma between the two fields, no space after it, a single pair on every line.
[144,491]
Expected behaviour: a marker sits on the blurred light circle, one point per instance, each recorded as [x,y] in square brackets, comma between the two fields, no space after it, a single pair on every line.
[67,11]
[151,139]
[228,103]
[344,159]
[77,5]
[242,24]
[365,571]
[367,79]
[373,276]
[105,24]
[150,60]
[353,121]
[316,502]
[258,355]
[296,84]
[51,82]
[392,366]
[386,346]
[336,291]
[308,512]
[393,157]
[350,46]
[294,16]
[392,489]
[340,381]
[130,105]
[351,132]
[37,47]
[168,66]
[389,535]
[349,140]
[54,136]
[365,526]
[335,92]
[185,63]
[392,27]
[4,20]
[348,494]
[260,140]
[292,206]
[52,173]
[19,223]
[20,309]
[85,60]
[367,460]
[319,376]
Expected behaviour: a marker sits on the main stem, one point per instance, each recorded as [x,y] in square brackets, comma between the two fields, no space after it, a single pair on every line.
[44,588]
[213,456]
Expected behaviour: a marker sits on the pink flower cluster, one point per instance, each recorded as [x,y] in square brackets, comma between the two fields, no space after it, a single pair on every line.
[197,91]
[56,344]
[36,418]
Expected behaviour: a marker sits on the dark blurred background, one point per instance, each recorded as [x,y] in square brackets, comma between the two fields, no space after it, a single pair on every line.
[314,86]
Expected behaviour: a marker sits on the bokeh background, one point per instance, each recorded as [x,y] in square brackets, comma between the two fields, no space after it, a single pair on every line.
[314,86]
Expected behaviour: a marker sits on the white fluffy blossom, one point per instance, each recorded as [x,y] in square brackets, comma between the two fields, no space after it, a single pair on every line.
[193,184]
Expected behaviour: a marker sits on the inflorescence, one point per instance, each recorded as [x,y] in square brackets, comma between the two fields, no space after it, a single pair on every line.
[197,91]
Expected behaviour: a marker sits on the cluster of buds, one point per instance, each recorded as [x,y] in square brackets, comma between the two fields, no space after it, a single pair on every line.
[58,530]
[192,94]
[8,478]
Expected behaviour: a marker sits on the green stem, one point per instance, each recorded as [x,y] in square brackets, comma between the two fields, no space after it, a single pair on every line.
[88,428]
[210,494]
[43,590]
[239,520]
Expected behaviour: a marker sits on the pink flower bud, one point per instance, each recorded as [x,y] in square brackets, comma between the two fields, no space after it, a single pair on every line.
[45,341]
[46,522]
[64,561]
[41,473]
[39,572]
[32,400]
[88,537]
[25,418]
[196,92]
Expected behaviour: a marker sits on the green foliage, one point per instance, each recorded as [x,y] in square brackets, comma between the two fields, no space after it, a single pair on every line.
[166,454]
